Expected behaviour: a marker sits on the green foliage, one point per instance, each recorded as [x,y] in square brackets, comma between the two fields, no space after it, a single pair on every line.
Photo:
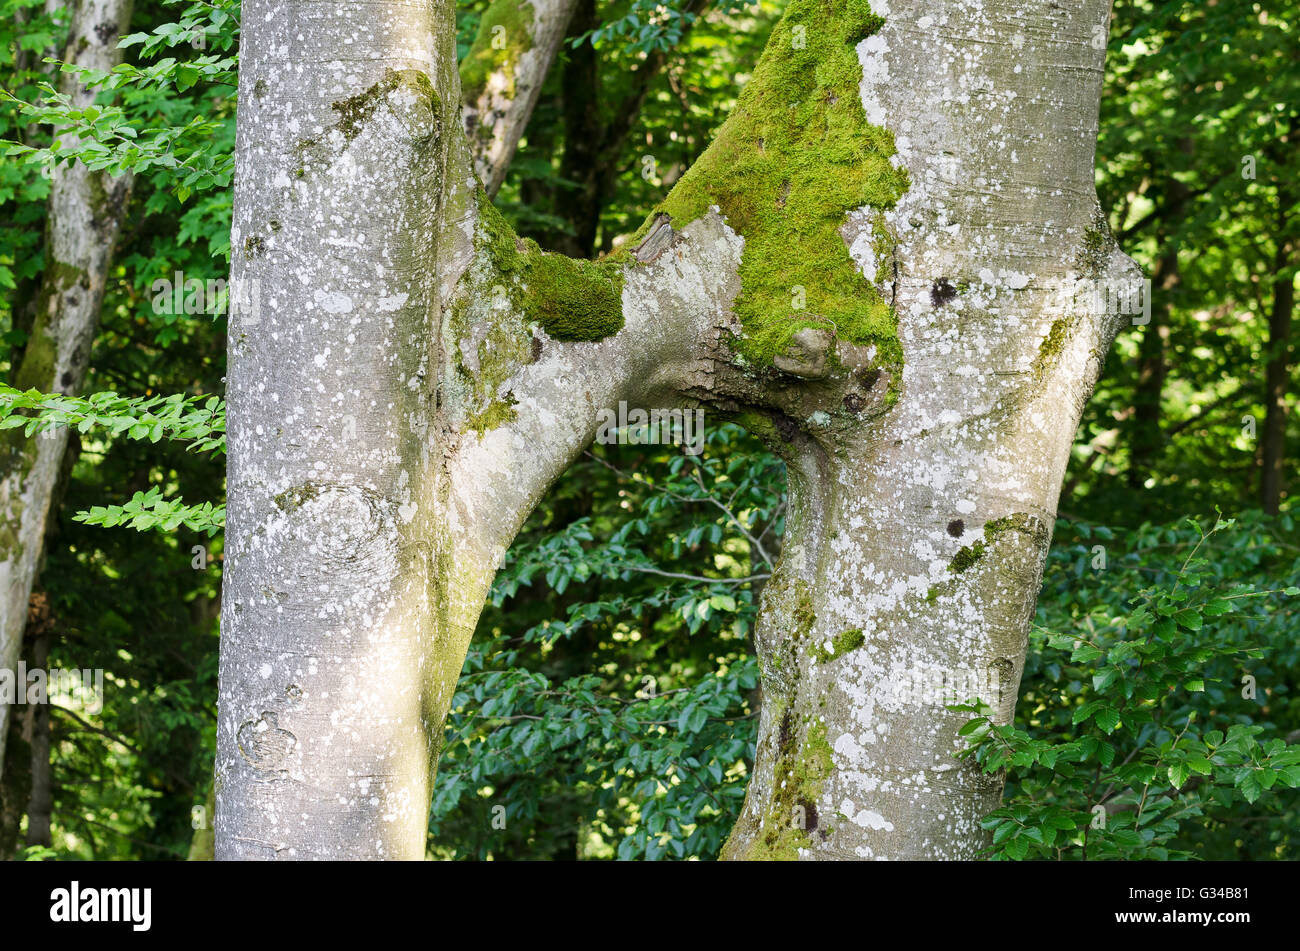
[179,138]
[1198,171]
[621,725]
[1133,739]
[671,114]
[26,29]
[139,606]
[646,26]
[152,417]
[148,510]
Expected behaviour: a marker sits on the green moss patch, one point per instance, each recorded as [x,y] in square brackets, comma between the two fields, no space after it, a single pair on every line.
[570,298]
[496,413]
[511,287]
[297,496]
[355,111]
[841,644]
[803,614]
[1051,346]
[796,155]
[968,556]
[792,814]
[515,20]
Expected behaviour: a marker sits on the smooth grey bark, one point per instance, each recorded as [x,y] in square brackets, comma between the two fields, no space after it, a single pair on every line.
[83,217]
[365,515]
[332,624]
[370,502]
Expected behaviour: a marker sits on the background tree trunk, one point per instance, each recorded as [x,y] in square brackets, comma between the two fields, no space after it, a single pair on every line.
[16,784]
[1147,436]
[502,76]
[84,215]
[1277,383]
[40,808]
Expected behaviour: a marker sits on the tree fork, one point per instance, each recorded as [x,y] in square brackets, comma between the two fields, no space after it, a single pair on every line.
[417,376]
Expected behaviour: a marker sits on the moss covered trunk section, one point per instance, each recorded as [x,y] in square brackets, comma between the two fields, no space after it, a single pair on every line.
[83,216]
[917,537]
[789,165]
[860,657]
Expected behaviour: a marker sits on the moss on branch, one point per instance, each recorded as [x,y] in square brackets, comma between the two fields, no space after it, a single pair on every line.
[796,155]
[569,298]
[970,555]
[841,644]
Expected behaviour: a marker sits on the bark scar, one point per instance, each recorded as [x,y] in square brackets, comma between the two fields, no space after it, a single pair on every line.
[657,241]
[263,744]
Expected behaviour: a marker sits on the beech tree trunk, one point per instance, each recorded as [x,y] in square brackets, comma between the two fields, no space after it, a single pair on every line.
[410,378]
[502,77]
[1277,380]
[84,214]
[40,808]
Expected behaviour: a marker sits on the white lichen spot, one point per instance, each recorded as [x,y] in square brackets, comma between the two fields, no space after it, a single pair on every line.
[332,302]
